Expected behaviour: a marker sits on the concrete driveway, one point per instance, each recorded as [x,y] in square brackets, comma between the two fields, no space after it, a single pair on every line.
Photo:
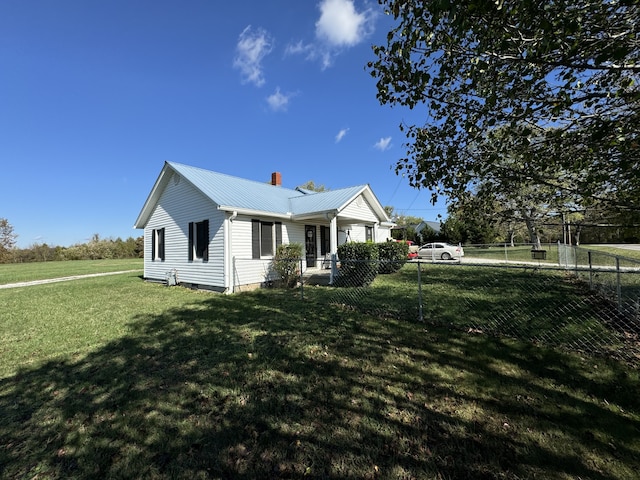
[62,279]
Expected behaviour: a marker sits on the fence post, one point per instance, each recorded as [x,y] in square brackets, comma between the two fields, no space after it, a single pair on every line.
[590,270]
[301,281]
[420,317]
[334,269]
[559,255]
[506,255]
[233,274]
[618,286]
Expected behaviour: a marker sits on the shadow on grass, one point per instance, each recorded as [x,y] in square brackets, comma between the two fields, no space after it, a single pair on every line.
[543,306]
[262,385]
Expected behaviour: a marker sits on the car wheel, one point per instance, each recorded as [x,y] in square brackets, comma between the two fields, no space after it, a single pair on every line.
[446,256]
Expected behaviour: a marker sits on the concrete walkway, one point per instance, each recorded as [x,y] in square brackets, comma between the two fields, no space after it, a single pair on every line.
[62,279]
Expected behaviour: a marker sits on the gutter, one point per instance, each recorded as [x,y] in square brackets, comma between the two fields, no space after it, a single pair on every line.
[235,211]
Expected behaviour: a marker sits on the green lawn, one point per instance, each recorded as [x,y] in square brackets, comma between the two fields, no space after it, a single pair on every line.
[622,252]
[603,255]
[519,253]
[113,377]
[25,272]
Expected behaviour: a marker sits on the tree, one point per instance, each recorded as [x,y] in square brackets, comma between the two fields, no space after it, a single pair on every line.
[405,224]
[7,238]
[557,80]
[470,221]
[427,234]
[310,185]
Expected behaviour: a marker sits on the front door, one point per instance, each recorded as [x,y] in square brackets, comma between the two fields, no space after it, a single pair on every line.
[310,245]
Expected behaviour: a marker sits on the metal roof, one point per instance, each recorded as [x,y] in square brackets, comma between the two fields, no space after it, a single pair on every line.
[324,201]
[234,193]
[228,191]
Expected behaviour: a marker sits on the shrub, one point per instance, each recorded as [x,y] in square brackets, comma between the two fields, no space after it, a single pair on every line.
[358,264]
[286,263]
[392,255]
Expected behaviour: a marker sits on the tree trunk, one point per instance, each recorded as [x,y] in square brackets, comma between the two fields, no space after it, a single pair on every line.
[533,233]
[578,229]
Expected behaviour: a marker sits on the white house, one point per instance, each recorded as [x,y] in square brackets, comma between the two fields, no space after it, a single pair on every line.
[220,232]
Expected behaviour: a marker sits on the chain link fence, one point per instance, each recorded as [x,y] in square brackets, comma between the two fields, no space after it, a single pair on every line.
[613,277]
[584,301]
[526,253]
[595,311]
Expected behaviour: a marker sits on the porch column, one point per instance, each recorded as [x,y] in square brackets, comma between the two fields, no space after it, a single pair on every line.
[333,245]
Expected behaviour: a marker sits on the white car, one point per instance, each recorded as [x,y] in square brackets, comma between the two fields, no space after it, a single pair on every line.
[440,251]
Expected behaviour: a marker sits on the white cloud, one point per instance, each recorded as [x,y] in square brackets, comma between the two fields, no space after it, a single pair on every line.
[251,49]
[311,52]
[341,25]
[383,144]
[298,48]
[341,134]
[279,101]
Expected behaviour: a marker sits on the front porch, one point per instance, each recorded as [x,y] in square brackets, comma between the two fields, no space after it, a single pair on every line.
[317,276]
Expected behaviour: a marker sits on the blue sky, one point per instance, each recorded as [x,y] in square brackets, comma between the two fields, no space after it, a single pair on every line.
[95,96]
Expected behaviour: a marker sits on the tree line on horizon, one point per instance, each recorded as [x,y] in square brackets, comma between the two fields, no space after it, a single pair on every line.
[97,248]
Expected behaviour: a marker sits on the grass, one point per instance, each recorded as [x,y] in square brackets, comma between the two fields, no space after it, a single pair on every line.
[524,303]
[112,377]
[622,252]
[518,253]
[25,272]
[522,253]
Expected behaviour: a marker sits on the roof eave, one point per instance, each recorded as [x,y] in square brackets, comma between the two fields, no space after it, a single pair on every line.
[151,201]
[327,214]
[250,212]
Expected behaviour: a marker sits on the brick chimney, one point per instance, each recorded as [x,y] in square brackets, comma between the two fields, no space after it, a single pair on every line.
[276,179]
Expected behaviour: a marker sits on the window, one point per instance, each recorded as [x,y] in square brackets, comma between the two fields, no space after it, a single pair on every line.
[265,238]
[157,244]
[368,234]
[199,240]
[325,240]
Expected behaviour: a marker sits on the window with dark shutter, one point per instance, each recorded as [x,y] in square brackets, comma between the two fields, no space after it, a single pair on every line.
[324,240]
[266,238]
[278,233]
[202,240]
[199,240]
[255,238]
[160,242]
[157,244]
[153,245]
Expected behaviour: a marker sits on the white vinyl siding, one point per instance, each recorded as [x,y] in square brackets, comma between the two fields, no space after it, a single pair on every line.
[179,205]
[247,270]
[382,233]
[360,209]
[357,233]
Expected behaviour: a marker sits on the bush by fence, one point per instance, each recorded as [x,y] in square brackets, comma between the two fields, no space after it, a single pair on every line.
[358,264]
[392,256]
[286,263]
